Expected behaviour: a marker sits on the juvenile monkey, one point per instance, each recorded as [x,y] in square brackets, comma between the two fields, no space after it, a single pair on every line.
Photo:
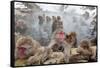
[87,51]
[69,44]
[73,39]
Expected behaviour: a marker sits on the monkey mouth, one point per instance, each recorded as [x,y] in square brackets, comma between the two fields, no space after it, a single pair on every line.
[21,52]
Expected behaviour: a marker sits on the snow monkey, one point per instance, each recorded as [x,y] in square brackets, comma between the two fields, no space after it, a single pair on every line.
[25,47]
[20,27]
[86,50]
[57,38]
[40,57]
[67,48]
[57,23]
[58,44]
[30,50]
[73,39]
[41,20]
[55,58]
[47,27]
[54,22]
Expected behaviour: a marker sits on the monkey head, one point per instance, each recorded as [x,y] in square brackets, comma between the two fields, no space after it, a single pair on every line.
[58,18]
[84,44]
[68,38]
[24,46]
[59,35]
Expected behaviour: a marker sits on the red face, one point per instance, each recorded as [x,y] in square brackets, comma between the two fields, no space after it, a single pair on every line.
[60,36]
[21,52]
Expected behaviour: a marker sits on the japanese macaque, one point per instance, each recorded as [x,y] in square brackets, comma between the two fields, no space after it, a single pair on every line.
[67,48]
[47,27]
[55,58]
[58,18]
[40,57]
[20,27]
[58,44]
[57,23]
[86,51]
[42,34]
[48,19]
[41,20]
[54,23]
[25,47]
[73,39]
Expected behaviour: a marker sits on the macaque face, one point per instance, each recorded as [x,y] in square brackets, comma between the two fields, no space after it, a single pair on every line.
[60,36]
[21,52]
[68,38]
[24,51]
[84,44]
[20,24]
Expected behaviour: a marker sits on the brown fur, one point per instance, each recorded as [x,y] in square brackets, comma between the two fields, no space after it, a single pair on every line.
[85,49]
[71,38]
[40,57]
[26,42]
[55,58]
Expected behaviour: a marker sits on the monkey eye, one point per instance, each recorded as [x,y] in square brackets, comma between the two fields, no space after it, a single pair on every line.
[21,48]
[60,33]
[27,46]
